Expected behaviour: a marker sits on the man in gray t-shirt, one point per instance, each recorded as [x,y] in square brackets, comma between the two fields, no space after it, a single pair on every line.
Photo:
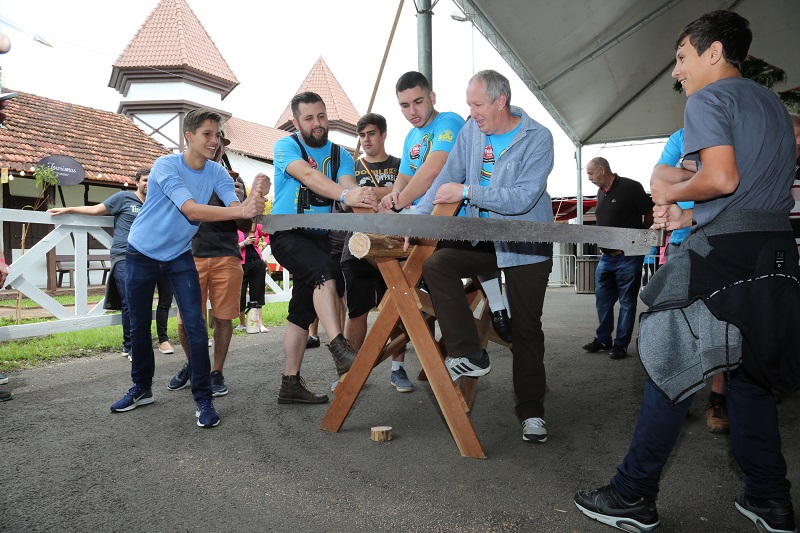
[738,167]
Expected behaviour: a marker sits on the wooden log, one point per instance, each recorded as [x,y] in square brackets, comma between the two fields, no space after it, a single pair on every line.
[375,245]
[381,433]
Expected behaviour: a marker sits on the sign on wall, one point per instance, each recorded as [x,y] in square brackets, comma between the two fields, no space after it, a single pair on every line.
[70,172]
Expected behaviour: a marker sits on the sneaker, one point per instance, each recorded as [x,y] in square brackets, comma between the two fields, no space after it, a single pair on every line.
[126,353]
[400,380]
[607,506]
[618,352]
[772,516]
[165,348]
[218,387]
[312,342]
[717,417]
[6,395]
[136,396]
[502,325]
[210,343]
[240,327]
[596,346]
[474,365]
[3,379]
[207,416]
[534,430]
[180,379]
[343,354]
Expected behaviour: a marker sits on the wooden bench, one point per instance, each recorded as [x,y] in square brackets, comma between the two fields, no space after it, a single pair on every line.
[65,264]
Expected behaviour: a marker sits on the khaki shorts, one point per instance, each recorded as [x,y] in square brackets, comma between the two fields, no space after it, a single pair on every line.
[221,283]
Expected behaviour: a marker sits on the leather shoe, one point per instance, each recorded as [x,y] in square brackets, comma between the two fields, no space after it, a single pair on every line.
[502,325]
[618,352]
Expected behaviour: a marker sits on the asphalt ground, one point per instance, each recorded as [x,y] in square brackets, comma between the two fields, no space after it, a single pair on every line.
[68,464]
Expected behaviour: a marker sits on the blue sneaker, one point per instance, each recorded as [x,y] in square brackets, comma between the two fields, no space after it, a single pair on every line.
[136,396]
[400,380]
[207,416]
[180,379]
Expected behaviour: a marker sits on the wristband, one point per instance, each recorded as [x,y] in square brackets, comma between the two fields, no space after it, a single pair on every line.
[395,209]
[465,194]
[343,196]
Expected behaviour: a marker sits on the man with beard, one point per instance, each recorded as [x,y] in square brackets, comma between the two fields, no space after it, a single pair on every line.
[310,173]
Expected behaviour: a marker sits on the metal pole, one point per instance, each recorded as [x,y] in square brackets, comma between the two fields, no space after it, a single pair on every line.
[424,39]
[579,204]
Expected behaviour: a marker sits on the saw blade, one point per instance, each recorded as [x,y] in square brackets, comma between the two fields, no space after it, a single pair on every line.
[630,241]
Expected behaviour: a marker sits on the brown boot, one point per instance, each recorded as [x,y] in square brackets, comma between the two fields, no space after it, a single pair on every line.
[293,390]
[343,354]
[717,417]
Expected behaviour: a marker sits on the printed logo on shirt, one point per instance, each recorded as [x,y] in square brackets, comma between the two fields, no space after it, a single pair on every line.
[414,153]
[280,155]
[312,162]
[488,154]
[446,136]
[135,208]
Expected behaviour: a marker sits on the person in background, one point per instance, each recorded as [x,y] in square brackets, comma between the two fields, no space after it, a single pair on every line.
[254,273]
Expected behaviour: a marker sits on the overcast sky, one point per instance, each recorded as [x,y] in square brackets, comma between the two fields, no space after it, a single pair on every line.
[271,46]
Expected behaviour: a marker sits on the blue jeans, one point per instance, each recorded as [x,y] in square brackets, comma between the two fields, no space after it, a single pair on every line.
[618,277]
[142,275]
[755,441]
[119,279]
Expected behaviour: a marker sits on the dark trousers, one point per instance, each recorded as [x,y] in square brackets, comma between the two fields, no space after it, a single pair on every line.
[617,278]
[143,273]
[755,441]
[162,309]
[254,277]
[525,286]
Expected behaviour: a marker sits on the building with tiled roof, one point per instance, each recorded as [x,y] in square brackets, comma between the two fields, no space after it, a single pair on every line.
[251,139]
[108,145]
[342,114]
[173,40]
[170,67]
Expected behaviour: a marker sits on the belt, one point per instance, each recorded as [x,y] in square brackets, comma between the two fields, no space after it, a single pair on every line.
[614,253]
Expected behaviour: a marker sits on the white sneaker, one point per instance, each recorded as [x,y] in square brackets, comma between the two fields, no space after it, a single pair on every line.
[475,367]
[534,430]
[240,327]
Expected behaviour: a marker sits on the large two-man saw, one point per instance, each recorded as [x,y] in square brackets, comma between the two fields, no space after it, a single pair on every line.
[630,241]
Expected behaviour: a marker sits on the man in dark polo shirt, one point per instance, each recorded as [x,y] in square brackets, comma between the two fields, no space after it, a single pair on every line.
[621,203]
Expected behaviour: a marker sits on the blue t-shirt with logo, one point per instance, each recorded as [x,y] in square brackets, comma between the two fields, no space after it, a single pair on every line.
[287,187]
[439,135]
[495,146]
[124,206]
[671,156]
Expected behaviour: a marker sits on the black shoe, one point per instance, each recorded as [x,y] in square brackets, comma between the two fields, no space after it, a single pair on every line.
[6,395]
[596,346]
[218,387]
[293,390]
[312,342]
[502,325]
[773,516]
[607,506]
[343,354]
[618,352]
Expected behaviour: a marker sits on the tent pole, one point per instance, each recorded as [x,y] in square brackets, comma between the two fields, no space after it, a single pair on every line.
[579,196]
[424,39]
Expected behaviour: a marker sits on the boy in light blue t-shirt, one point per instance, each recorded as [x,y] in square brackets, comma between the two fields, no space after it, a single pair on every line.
[159,244]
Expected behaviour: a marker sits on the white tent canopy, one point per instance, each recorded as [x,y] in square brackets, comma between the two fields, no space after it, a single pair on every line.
[602,67]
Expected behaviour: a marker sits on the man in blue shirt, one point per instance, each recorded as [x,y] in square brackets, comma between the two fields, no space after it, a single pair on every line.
[310,174]
[159,243]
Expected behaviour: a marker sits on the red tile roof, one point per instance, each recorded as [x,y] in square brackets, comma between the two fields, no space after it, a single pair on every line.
[172,37]
[251,139]
[322,81]
[110,147]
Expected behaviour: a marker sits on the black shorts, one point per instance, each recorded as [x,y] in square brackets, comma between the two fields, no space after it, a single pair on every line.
[307,258]
[365,286]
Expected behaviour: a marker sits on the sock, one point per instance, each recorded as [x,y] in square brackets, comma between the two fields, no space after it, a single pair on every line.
[397,365]
[491,287]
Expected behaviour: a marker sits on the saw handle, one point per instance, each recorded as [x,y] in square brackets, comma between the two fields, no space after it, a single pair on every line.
[662,237]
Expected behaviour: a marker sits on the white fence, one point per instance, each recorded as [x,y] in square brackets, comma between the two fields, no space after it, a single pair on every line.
[33,261]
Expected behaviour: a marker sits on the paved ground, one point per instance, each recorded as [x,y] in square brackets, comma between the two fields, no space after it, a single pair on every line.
[70,465]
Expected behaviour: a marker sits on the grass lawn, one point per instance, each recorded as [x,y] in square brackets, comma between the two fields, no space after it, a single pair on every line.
[35,351]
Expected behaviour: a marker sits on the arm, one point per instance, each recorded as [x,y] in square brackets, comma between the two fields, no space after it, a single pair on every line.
[671,217]
[99,209]
[324,186]
[422,179]
[718,176]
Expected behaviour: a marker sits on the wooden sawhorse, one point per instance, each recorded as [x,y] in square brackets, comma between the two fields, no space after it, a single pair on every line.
[403,304]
